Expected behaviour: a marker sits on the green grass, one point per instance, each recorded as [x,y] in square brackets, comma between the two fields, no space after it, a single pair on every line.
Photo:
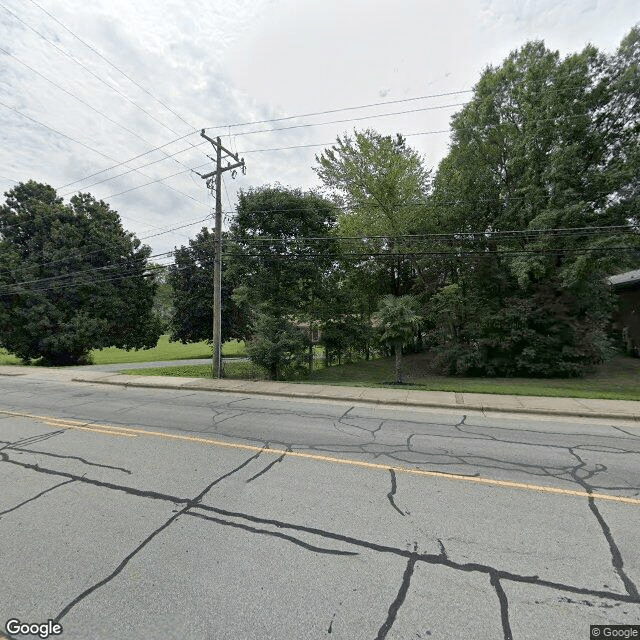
[618,379]
[233,370]
[7,358]
[164,350]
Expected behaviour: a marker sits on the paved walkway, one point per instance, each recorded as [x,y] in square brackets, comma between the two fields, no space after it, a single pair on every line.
[578,407]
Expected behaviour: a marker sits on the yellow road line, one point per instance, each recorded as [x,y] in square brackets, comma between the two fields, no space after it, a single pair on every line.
[113,430]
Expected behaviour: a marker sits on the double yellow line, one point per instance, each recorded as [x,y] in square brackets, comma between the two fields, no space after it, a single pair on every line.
[128,432]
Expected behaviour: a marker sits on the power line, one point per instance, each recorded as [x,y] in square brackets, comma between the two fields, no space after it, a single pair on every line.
[119,164]
[89,283]
[369,117]
[328,144]
[457,235]
[100,55]
[113,265]
[73,95]
[324,144]
[124,173]
[375,104]
[104,155]
[64,135]
[304,146]
[566,232]
[290,118]
[457,253]
[82,256]
[172,175]
[100,79]
[16,288]
[84,102]
[92,73]
[460,236]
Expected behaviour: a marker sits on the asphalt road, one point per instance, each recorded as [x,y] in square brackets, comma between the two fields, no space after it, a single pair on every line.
[144,514]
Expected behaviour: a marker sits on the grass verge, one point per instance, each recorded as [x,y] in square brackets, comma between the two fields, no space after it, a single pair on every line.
[7,358]
[618,379]
[164,350]
[234,370]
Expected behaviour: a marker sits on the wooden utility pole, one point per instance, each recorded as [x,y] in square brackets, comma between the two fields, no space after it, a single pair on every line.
[217,264]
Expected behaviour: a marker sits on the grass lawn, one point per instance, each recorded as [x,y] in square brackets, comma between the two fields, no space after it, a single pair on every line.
[164,350]
[618,379]
[234,370]
[7,358]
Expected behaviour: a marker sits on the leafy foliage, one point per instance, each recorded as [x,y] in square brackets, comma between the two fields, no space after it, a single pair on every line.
[278,346]
[383,185]
[270,225]
[191,280]
[71,278]
[545,143]
[282,274]
[398,320]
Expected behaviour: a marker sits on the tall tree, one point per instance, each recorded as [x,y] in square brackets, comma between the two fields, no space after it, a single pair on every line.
[281,252]
[191,282]
[71,278]
[542,145]
[383,184]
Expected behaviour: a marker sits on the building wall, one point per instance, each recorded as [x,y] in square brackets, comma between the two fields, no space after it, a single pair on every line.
[627,318]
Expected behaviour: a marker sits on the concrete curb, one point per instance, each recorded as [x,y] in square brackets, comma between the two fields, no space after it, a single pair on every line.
[243,387]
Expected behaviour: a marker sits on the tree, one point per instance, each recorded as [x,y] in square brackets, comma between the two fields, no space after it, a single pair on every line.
[278,345]
[191,280]
[383,185]
[163,300]
[278,240]
[281,254]
[398,321]
[71,278]
[545,143]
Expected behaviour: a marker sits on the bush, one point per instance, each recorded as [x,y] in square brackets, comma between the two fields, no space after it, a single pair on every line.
[278,346]
[541,336]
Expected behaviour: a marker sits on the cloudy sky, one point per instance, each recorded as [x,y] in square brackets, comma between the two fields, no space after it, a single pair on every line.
[90,90]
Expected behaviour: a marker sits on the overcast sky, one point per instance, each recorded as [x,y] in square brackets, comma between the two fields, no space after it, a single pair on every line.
[170,68]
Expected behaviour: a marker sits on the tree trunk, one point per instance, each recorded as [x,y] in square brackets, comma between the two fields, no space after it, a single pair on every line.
[398,347]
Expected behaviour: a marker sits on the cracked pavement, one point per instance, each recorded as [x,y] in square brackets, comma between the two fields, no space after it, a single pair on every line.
[135,513]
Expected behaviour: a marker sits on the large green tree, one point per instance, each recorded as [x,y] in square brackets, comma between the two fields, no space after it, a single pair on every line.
[191,282]
[545,143]
[71,278]
[281,255]
[382,184]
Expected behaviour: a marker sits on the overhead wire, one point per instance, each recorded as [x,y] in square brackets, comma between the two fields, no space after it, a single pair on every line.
[42,265]
[97,151]
[111,64]
[16,288]
[92,73]
[85,103]
[402,253]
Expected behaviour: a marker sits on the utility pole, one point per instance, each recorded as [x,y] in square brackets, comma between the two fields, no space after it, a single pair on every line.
[216,184]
